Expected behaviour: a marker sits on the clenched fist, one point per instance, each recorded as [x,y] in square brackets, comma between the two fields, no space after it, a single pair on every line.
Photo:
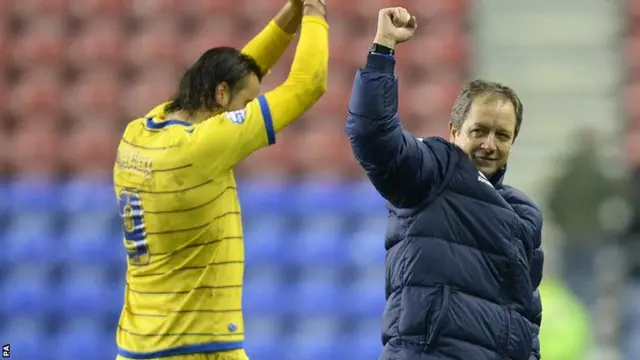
[395,25]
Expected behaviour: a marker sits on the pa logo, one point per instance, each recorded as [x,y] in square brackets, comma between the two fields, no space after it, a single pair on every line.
[237,117]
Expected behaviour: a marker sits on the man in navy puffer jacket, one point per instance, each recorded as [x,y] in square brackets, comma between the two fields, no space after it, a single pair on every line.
[463,249]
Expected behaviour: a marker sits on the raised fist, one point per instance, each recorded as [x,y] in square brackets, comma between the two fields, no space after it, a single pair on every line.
[395,25]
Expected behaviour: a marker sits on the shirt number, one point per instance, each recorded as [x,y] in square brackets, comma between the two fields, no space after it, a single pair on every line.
[134,228]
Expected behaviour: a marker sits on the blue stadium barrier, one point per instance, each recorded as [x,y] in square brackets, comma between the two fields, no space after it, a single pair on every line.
[90,239]
[32,195]
[265,241]
[26,291]
[318,246]
[314,254]
[29,238]
[28,342]
[259,197]
[83,196]
[319,292]
[264,292]
[83,341]
[86,291]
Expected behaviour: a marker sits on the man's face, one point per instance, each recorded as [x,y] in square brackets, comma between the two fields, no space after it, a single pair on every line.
[487,133]
[243,95]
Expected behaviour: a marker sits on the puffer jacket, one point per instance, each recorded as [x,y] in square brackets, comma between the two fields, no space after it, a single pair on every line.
[463,251]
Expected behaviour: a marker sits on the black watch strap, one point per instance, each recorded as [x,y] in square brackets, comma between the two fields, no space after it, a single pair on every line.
[381,49]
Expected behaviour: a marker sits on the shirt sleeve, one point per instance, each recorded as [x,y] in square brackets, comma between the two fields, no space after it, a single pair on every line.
[267,47]
[223,141]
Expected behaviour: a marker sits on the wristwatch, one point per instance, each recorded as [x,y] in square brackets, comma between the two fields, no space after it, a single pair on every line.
[381,49]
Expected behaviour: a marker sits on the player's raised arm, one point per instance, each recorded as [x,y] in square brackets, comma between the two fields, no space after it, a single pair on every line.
[227,138]
[402,168]
[267,47]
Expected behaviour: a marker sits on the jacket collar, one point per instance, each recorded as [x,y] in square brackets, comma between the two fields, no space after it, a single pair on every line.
[497,178]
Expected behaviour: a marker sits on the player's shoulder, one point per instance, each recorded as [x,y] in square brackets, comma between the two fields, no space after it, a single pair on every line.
[234,117]
[155,133]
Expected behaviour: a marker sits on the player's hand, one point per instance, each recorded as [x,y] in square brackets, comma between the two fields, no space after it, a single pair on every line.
[395,25]
[314,7]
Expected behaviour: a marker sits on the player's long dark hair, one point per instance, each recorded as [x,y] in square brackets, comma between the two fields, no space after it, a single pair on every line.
[196,91]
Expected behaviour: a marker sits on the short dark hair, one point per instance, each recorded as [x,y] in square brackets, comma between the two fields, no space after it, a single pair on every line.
[477,88]
[197,87]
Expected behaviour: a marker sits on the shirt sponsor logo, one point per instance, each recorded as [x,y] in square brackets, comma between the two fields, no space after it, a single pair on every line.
[237,117]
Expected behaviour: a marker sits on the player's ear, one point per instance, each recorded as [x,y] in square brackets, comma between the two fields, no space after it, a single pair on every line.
[223,94]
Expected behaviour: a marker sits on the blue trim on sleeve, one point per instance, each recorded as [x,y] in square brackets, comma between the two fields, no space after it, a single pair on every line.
[161,125]
[183,350]
[268,120]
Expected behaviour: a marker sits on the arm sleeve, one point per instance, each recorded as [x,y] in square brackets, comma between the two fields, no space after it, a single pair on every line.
[267,47]
[224,140]
[536,266]
[403,169]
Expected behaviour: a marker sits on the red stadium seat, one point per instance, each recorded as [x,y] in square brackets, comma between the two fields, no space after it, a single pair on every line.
[31,8]
[3,101]
[147,91]
[5,47]
[320,150]
[42,44]
[259,11]
[144,9]
[439,9]
[35,148]
[632,8]
[435,126]
[157,43]
[633,144]
[97,8]
[274,162]
[431,99]
[356,56]
[5,152]
[446,44]
[276,77]
[96,94]
[37,93]
[203,9]
[90,148]
[99,44]
[221,32]
[632,55]
[368,9]
[335,102]
[632,103]
[340,47]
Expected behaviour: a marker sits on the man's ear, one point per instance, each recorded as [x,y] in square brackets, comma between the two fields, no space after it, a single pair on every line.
[453,131]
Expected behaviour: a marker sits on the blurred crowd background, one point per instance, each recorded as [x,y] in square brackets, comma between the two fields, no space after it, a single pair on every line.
[74,72]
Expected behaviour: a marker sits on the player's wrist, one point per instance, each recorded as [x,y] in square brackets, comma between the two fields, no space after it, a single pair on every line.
[314,8]
[385,41]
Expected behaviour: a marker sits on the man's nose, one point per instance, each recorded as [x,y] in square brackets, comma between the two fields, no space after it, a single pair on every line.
[489,143]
